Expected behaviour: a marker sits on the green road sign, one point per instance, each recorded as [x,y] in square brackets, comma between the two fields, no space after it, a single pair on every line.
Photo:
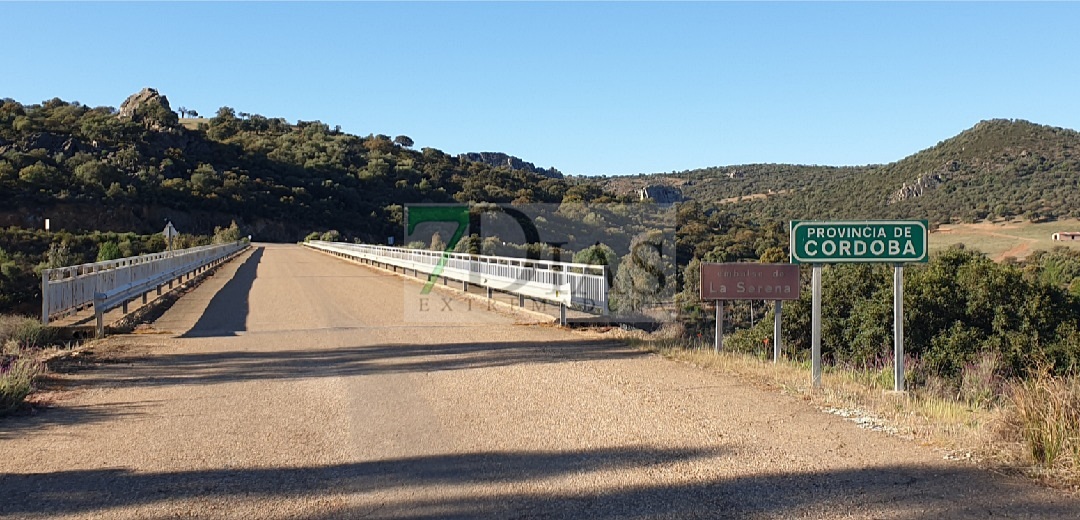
[885,241]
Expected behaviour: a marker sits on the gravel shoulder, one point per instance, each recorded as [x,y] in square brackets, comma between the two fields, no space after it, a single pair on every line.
[294,385]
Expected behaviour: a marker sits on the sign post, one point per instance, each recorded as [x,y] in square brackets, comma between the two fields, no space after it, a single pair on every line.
[851,241]
[898,328]
[718,342]
[815,326]
[778,305]
[748,281]
[170,233]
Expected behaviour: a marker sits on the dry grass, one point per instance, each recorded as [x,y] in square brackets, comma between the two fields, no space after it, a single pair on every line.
[1044,417]
[998,240]
[192,123]
[27,332]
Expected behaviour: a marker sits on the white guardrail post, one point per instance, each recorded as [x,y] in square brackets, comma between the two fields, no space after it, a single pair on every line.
[44,297]
[582,286]
[105,285]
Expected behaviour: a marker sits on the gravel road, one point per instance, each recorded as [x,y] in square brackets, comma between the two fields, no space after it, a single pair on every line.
[291,385]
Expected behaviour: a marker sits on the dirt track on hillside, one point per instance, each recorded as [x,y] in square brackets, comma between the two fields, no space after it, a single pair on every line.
[295,385]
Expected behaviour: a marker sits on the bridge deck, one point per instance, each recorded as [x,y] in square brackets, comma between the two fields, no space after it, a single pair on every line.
[294,385]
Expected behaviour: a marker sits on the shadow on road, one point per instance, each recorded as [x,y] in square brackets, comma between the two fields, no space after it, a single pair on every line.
[392,489]
[228,309]
[13,426]
[233,366]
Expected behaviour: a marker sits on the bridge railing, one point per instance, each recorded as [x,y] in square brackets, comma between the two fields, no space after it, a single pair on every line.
[66,290]
[582,286]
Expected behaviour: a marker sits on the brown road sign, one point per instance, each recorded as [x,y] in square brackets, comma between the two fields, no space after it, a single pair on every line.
[746,281]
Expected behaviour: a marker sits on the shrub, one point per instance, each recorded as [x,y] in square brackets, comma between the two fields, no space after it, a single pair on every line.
[226,235]
[108,251]
[25,332]
[18,369]
[981,382]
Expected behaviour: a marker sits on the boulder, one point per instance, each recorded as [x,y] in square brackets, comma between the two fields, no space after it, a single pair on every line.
[130,106]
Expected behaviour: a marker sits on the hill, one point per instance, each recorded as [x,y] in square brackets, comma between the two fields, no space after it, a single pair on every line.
[129,169]
[997,169]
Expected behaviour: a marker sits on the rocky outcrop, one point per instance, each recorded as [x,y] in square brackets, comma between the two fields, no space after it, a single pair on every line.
[150,108]
[661,194]
[55,144]
[497,160]
[923,184]
[130,107]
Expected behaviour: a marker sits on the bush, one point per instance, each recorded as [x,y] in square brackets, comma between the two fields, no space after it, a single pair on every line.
[226,235]
[18,369]
[25,332]
[981,382]
[108,251]
[965,317]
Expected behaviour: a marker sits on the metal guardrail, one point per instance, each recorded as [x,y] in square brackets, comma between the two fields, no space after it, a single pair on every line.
[583,286]
[104,301]
[66,290]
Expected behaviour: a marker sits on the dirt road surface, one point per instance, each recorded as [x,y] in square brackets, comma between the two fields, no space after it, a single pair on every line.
[289,385]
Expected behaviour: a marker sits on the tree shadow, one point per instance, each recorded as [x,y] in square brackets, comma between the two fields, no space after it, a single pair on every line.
[520,484]
[12,426]
[227,311]
[233,366]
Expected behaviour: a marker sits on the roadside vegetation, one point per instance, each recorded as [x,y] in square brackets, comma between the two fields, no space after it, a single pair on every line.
[21,342]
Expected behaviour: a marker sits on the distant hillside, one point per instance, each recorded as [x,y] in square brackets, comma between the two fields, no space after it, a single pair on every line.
[129,169]
[1000,168]
[997,169]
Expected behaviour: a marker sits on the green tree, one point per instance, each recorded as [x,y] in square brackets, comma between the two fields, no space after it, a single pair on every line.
[108,251]
[96,173]
[599,254]
[642,279]
[226,235]
[437,243]
[40,174]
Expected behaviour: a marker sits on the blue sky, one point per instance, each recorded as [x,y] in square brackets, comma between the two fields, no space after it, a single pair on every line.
[589,88]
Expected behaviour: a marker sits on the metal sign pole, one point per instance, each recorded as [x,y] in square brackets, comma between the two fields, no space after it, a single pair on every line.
[815,327]
[778,308]
[719,345]
[898,327]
